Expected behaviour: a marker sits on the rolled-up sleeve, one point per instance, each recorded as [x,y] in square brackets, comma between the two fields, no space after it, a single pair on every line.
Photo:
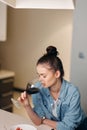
[73,116]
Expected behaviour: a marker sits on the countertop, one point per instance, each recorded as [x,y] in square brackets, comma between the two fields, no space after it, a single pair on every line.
[6,74]
[7,120]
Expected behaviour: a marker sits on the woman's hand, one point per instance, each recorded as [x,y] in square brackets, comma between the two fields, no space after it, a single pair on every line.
[23,99]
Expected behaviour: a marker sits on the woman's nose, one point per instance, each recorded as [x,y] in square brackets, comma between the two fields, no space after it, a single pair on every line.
[40,79]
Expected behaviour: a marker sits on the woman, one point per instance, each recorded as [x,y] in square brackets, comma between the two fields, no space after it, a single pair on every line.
[58,102]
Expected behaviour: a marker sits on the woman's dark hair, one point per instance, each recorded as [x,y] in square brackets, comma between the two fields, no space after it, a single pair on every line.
[52,59]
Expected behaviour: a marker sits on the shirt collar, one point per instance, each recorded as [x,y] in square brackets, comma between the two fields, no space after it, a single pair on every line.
[62,90]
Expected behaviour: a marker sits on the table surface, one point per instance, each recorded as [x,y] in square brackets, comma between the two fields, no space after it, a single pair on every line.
[8,119]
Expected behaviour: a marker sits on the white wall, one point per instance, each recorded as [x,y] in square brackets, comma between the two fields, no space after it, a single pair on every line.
[3,21]
[29,33]
[78,73]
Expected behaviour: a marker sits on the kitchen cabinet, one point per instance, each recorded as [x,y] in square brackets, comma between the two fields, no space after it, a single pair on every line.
[3,21]
[6,91]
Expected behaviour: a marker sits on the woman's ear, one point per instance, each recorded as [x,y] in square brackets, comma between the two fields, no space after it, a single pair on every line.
[57,74]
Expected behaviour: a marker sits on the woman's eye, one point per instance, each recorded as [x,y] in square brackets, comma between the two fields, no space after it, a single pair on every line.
[44,76]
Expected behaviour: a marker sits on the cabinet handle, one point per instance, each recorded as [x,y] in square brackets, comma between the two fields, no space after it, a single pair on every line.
[6,107]
[7,80]
[6,94]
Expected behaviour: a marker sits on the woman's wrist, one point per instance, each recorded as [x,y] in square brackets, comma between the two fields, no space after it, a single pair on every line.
[42,120]
[27,106]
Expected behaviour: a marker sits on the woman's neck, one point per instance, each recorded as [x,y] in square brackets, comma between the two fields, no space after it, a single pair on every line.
[55,89]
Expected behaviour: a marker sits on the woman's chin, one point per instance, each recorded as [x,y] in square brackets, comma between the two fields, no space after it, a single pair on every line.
[45,86]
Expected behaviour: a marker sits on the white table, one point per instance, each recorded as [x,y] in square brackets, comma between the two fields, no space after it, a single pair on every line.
[8,119]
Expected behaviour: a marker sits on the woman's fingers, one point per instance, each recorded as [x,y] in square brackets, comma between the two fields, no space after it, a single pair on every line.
[22,97]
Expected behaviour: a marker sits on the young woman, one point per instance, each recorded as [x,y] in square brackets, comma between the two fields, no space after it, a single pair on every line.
[58,102]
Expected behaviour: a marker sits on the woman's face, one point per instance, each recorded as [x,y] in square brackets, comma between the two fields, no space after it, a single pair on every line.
[47,76]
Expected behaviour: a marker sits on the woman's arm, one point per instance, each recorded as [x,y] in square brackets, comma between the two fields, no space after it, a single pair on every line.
[37,120]
[33,116]
[50,123]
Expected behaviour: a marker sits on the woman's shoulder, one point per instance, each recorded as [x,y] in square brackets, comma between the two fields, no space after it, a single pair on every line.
[70,88]
[70,85]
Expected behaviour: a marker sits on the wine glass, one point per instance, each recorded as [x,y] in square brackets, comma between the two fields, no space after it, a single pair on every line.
[30,89]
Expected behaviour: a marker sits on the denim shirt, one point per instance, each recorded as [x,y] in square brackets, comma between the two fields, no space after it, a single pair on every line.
[69,112]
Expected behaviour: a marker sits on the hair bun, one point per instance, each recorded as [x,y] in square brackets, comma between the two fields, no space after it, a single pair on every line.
[51,50]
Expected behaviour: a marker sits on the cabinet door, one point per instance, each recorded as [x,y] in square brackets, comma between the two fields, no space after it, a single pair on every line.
[6,93]
[3,21]
[6,85]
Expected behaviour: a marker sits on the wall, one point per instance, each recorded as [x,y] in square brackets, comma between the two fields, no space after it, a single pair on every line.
[78,73]
[3,21]
[29,32]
